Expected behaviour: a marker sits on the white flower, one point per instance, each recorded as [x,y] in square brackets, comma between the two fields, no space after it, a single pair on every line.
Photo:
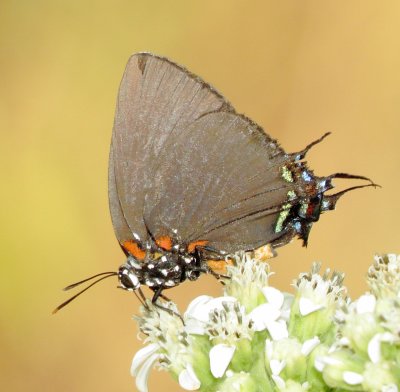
[258,338]
[287,360]
[225,322]
[272,315]
[197,315]
[316,292]
[384,275]
[248,271]
[222,318]
[168,347]
[248,277]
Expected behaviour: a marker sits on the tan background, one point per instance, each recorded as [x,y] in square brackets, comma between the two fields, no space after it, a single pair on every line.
[298,68]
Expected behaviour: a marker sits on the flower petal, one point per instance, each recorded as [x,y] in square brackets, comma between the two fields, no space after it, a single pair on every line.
[269,348]
[279,381]
[319,364]
[220,358]
[332,361]
[274,296]
[188,379]
[278,329]
[141,356]
[366,304]
[200,307]
[374,349]
[194,326]
[353,378]
[374,345]
[276,366]
[263,314]
[196,308]
[144,371]
[309,345]
[306,306]
[216,303]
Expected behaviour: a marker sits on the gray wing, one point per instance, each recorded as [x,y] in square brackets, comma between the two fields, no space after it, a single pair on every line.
[157,100]
[219,180]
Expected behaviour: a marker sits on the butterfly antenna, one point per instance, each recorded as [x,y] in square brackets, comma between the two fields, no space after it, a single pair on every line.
[82,291]
[71,286]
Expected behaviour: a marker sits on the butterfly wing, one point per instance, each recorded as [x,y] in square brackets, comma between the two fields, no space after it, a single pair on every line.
[219,180]
[157,100]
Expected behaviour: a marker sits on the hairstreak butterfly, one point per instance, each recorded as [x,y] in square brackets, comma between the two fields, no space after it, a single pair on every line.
[190,180]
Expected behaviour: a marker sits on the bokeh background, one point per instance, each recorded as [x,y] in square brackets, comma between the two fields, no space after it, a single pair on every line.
[298,68]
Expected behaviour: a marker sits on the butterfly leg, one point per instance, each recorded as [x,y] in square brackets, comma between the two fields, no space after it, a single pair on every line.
[165,297]
[205,252]
[157,294]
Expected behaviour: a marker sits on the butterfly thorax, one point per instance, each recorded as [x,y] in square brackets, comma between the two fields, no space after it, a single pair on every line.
[160,269]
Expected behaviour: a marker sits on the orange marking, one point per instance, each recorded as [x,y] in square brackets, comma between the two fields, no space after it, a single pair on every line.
[192,246]
[265,253]
[133,248]
[164,242]
[219,266]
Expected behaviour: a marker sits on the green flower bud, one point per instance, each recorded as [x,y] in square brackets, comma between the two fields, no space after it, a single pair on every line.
[343,369]
[359,330]
[238,382]
[284,358]
[377,376]
[293,386]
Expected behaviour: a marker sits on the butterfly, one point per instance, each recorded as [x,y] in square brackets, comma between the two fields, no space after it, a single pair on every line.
[192,180]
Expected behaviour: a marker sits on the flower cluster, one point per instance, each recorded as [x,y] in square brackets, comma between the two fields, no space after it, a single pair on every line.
[366,355]
[256,338]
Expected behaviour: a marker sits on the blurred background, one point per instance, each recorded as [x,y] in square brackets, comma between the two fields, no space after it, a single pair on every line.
[298,68]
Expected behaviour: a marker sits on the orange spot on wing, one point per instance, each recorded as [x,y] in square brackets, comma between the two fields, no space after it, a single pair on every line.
[192,246]
[219,266]
[133,248]
[164,242]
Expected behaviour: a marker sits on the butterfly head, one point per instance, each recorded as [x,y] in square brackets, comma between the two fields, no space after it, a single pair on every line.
[129,274]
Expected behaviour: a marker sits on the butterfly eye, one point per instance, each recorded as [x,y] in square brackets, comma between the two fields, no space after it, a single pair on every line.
[129,280]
